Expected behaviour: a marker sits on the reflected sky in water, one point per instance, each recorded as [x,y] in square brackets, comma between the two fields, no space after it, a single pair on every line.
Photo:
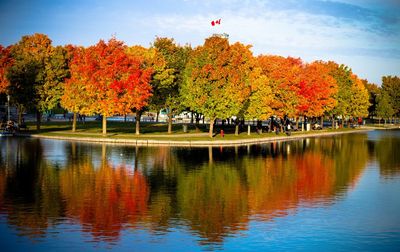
[337,193]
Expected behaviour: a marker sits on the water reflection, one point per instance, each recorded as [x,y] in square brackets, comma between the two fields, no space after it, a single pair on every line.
[103,198]
[385,148]
[214,192]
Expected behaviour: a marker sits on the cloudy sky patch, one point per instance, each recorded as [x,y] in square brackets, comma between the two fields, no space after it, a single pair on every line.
[363,34]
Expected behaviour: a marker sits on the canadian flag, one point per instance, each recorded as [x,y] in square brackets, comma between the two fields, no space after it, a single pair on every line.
[215,22]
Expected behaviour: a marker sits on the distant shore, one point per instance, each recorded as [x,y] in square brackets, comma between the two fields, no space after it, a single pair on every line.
[187,141]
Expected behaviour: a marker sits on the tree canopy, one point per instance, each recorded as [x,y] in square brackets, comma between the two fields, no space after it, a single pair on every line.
[218,79]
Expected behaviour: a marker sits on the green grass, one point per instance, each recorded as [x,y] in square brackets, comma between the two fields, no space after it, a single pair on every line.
[153,131]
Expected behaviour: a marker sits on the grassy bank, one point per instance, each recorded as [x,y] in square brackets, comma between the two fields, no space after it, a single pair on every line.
[157,131]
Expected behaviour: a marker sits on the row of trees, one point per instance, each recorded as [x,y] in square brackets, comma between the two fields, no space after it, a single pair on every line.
[215,80]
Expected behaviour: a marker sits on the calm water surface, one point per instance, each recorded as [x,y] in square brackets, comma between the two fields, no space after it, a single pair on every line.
[325,194]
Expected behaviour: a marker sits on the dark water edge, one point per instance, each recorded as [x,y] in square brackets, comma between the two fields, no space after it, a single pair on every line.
[335,193]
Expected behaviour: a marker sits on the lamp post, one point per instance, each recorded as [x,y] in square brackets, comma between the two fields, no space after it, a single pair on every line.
[8,107]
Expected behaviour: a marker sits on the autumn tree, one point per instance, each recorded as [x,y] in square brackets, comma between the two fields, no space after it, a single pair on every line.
[373,92]
[359,98]
[391,85]
[352,97]
[316,90]
[57,71]
[384,108]
[27,75]
[249,76]
[342,75]
[283,74]
[166,87]
[5,63]
[213,85]
[112,80]
[151,59]
[76,96]
[259,103]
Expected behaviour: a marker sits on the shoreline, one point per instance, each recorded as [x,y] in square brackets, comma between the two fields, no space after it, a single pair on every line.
[195,143]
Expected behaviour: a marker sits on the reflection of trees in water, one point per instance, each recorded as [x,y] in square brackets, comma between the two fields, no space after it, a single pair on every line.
[30,194]
[213,200]
[277,186]
[267,181]
[349,153]
[103,198]
[386,152]
[214,190]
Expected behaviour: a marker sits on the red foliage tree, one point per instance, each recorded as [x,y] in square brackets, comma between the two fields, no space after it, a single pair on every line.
[5,62]
[316,90]
[113,81]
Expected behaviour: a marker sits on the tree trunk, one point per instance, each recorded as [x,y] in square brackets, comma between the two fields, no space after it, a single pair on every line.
[38,120]
[104,125]
[138,115]
[248,129]
[191,117]
[74,123]
[197,127]
[169,120]
[211,131]
[322,122]
[124,118]
[236,129]
[19,117]
[158,113]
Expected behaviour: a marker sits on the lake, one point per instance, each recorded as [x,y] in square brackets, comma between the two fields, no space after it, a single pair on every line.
[336,193]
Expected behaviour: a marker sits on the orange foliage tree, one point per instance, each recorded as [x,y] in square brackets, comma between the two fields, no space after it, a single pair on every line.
[283,74]
[316,90]
[5,62]
[113,82]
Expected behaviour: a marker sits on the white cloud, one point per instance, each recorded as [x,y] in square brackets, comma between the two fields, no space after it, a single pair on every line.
[285,32]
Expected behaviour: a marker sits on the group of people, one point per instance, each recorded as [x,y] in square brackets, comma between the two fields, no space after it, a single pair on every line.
[9,126]
[276,125]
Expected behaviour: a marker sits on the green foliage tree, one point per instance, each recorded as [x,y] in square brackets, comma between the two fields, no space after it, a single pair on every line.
[342,75]
[57,71]
[359,99]
[28,74]
[391,85]
[167,84]
[215,85]
[384,107]
[260,99]
[373,92]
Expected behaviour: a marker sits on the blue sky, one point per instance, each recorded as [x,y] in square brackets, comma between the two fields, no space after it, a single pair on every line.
[363,34]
